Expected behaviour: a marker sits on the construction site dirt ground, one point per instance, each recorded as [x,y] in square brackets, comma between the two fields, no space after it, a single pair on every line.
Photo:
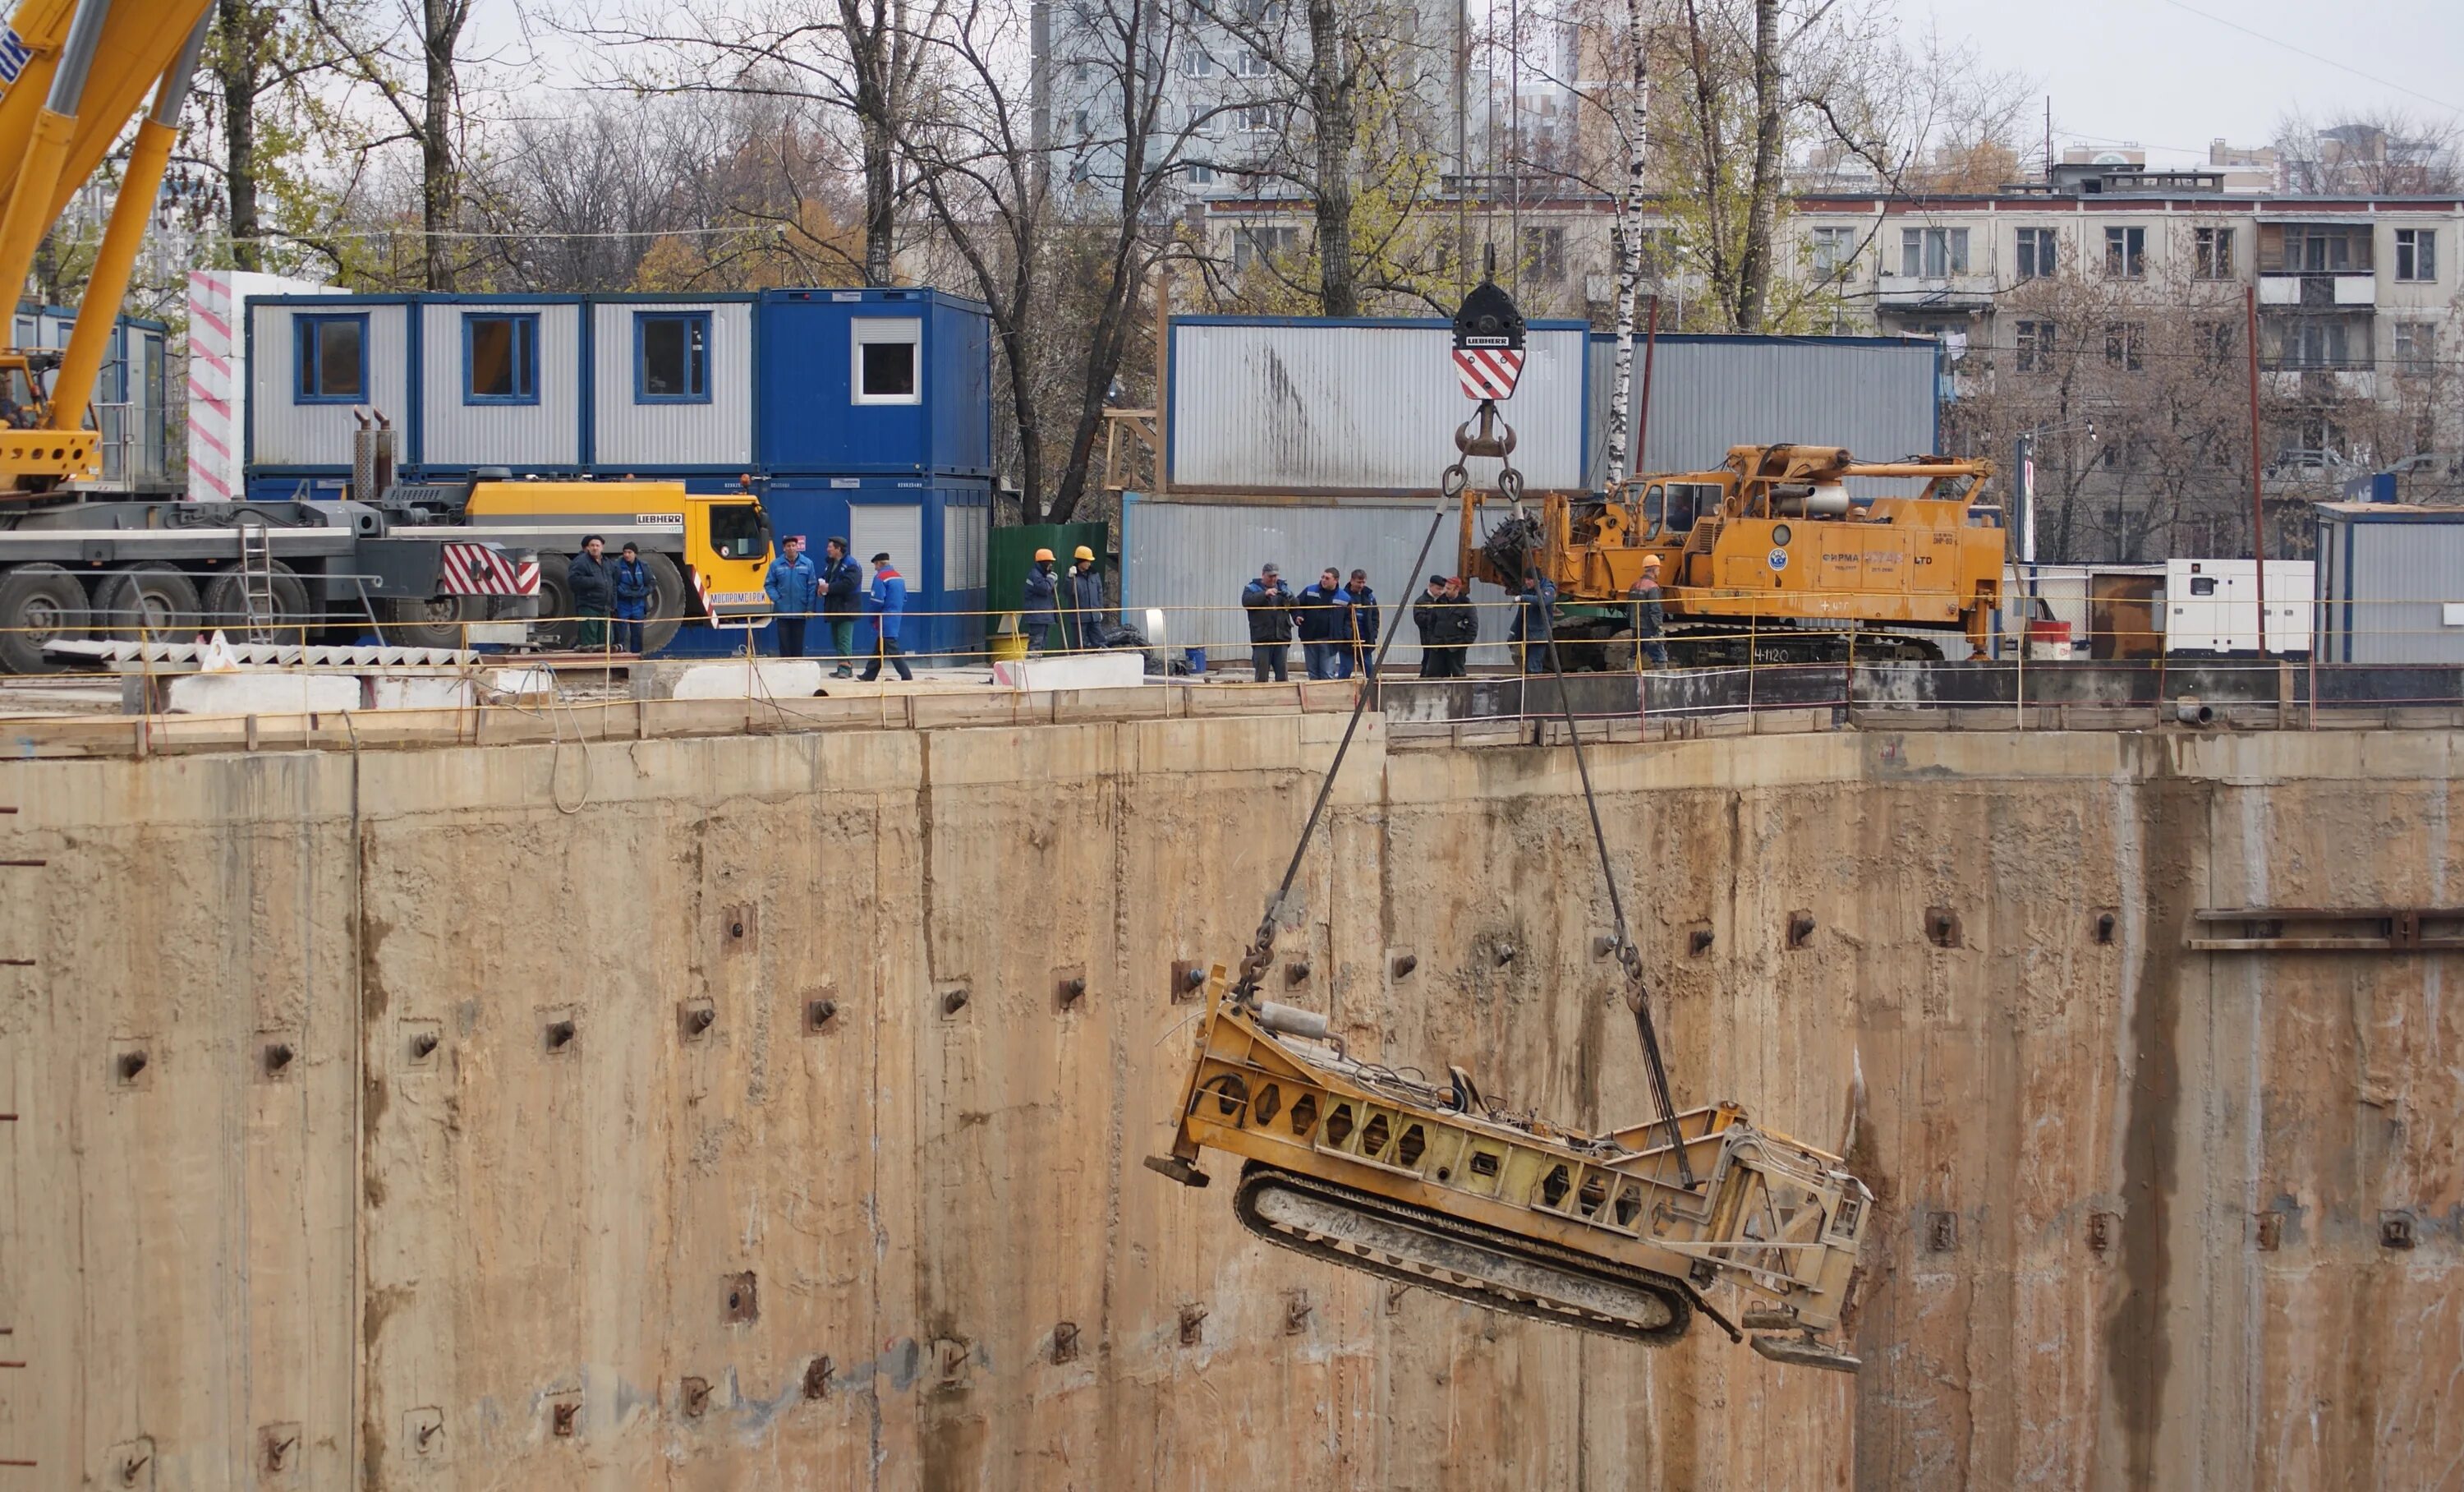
[366,1130]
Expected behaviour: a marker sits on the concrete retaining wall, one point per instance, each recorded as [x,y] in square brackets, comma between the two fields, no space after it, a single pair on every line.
[402,1254]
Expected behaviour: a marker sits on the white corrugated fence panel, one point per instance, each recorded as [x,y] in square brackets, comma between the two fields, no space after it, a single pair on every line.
[1288,406]
[1875,397]
[288,433]
[1192,558]
[521,437]
[631,433]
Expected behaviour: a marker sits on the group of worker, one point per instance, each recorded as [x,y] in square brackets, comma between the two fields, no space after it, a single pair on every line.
[608,591]
[1071,600]
[1336,623]
[836,591]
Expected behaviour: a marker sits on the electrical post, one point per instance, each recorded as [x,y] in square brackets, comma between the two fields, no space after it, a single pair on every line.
[2257,500]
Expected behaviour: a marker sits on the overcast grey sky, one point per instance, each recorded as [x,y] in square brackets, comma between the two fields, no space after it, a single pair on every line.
[2153,72]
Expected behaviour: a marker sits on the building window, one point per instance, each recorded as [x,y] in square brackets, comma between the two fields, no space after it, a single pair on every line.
[500,358]
[1197,63]
[1251,65]
[2211,253]
[1544,253]
[1834,252]
[1258,245]
[1257,119]
[332,356]
[2314,343]
[2417,342]
[1933,252]
[2037,253]
[1202,177]
[672,357]
[2416,254]
[2216,341]
[2125,344]
[889,359]
[2125,252]
[2036,347]
[2326,248]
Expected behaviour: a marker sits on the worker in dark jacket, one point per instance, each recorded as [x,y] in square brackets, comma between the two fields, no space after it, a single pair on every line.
[1649,617]
[1043,591]
[1465,620]
[1534,612]
[795,590]
[1325,624]
[634,589]
[888,603]
[1268,602]
[1364,624]
[1081,598]
[591,581]
[841,583]
[1436,625]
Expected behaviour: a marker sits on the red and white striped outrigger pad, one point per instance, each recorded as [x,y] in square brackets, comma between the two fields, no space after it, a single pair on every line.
[1489,372]
[483,569]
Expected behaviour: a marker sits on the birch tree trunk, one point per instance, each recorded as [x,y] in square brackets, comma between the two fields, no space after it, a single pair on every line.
[1629,247]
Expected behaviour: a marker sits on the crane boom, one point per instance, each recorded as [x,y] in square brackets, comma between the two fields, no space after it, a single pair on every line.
[74,72]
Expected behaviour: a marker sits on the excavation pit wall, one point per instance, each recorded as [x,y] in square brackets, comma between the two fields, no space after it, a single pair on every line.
[515,1214]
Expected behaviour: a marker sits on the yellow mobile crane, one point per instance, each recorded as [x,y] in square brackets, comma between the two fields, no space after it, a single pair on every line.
[1372,1167]
[75,71]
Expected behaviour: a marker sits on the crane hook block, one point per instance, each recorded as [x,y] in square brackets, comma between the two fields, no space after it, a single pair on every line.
[1488,318]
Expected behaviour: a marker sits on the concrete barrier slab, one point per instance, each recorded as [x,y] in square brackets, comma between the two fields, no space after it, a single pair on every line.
[417,692]
[291,693]
[770,678]
[1118,670]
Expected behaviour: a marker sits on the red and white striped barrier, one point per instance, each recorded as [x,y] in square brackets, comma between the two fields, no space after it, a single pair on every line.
[1489,372]
[482,569]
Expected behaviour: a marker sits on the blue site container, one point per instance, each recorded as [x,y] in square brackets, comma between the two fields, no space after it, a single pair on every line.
[935,531]
[858,383]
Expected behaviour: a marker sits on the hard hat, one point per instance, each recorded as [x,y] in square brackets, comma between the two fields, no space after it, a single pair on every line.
[1044,554]
[1082,553]
[1651,562]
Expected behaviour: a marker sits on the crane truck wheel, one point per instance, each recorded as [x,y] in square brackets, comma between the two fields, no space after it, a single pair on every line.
[147,603]
[556,631]
[433,623]
[39,604]
[224,602]
[669,601]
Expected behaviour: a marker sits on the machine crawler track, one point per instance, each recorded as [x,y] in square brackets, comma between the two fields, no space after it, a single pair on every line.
[1450,1257]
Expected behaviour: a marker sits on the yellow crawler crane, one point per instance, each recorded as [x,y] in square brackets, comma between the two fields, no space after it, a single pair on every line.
[1364,1167]
[72,74]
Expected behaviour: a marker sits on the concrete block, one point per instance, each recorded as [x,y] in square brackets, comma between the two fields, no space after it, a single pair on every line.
[523,683]
[1117,670]
[770,678]
[295,692]
[421,692]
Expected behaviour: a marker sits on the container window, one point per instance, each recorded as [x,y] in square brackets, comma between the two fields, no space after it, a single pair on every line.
[500,358]
[333,359]
[2203,585]
[889,359]
[672,357]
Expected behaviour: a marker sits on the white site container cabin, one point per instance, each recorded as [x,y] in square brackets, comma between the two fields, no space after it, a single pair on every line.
[2211,607]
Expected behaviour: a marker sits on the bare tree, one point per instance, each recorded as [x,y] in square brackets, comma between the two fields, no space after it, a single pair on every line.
[1056,237]
[2370,152]
[425,42]
[861,59]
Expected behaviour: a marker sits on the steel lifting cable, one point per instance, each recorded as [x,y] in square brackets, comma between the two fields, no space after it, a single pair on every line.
[1628,955]
[1450,488]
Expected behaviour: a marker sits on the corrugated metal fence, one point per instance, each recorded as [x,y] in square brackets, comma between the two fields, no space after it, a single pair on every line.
[1876,396]
[1193,558]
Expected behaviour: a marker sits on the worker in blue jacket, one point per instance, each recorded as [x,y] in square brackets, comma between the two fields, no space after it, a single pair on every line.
[1042,601]
[888,603]
[1323,612]
[633,591]
[1364,624]
[1082,599]
[795,589]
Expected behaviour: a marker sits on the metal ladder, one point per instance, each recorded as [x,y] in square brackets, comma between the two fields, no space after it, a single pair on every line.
[257,576]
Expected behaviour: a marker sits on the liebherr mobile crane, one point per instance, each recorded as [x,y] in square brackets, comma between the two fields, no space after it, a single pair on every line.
[1373,1168]
[414,562]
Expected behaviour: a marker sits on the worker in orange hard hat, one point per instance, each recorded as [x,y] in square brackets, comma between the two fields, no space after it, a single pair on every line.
[1642,602]
[1043,591]
[1082,597]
